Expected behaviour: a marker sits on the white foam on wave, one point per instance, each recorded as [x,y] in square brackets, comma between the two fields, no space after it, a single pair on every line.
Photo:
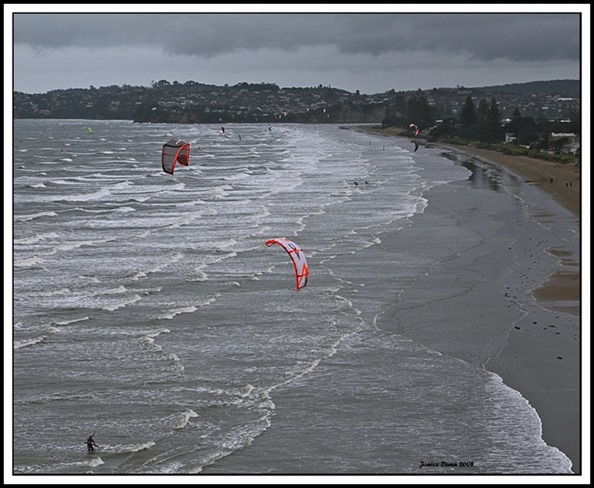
[54,248]
[165,263]
[29,262]
[198,275]
[177,311]
[72,181]
[125,209]
[226,243]
[127,448]
[35,216]
[246,391]
[148,341]
[98,195]
[121,303]
[182,419]
[72,321]
[152,223]
[29,342]
[49,329]
[528,425]
[141,447]
[170,314]
[70,245]
[240,437]
[36,238]
[110,291]
[87,280]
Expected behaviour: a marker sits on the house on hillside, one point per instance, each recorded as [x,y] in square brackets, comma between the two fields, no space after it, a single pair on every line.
[555,136]
[565,142]
[571,148]
[510,137]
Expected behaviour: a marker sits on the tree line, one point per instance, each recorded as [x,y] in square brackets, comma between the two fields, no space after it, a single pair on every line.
[480,123]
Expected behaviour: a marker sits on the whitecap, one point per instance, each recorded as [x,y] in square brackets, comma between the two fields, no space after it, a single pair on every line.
[29,342]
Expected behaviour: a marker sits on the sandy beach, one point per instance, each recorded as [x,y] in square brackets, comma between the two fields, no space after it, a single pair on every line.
[563,183]
[541,360]
[554,178]
[554,396]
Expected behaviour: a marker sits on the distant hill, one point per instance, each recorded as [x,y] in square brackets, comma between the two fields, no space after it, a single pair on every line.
[564,88]
[197,103]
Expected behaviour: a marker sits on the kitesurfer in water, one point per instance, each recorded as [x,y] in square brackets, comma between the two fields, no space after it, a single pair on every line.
[91,443]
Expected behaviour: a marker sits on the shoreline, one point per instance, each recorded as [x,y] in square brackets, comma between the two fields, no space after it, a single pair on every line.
[540,354]
[562,291]
[532,170]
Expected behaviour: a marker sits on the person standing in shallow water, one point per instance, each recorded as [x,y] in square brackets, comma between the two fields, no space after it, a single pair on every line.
[91,443]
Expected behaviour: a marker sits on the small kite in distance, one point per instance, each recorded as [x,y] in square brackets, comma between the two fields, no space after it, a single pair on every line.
[415,135]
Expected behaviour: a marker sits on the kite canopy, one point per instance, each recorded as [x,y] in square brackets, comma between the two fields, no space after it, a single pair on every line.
[414,126]
[175,152]
[297,257]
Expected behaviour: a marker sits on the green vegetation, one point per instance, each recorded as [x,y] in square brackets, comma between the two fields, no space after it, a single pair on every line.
[439,112]
[515,150]
[483,127]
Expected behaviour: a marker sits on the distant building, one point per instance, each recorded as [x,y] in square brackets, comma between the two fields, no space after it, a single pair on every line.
[510,137]
[571,148]
[560,135]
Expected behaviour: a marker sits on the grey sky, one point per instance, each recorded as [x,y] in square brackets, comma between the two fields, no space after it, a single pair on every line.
[366,51]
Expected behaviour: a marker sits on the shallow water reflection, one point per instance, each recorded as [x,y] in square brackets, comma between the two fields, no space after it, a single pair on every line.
[481,177]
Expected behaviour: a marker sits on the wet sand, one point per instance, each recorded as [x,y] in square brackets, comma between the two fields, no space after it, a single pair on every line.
[540,356]
[563,183]
[543,361]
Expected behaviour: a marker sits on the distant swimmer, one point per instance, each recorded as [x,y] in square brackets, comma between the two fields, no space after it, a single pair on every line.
[91,443]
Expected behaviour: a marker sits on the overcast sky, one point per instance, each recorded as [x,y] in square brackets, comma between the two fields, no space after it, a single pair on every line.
[371,49]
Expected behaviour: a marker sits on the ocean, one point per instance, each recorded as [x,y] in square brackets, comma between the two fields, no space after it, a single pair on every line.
[148,311]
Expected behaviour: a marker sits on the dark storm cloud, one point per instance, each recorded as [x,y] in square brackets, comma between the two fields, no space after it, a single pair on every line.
[518,37]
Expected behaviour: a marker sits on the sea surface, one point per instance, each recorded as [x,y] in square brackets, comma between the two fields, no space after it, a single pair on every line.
[148,311]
